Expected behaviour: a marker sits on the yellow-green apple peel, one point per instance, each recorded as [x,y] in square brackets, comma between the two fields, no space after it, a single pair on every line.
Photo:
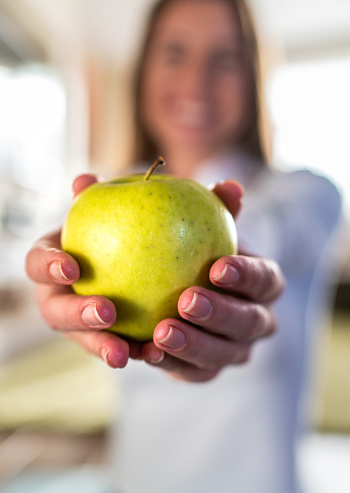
[142,240]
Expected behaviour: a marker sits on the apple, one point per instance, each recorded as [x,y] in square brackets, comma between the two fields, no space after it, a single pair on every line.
[142,240]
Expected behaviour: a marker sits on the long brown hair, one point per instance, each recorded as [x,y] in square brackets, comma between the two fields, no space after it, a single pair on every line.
[252,141]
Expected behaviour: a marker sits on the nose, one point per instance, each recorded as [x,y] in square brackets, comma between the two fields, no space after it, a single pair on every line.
[196,80]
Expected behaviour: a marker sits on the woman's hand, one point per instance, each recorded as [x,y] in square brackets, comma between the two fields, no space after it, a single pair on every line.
[232,322]
[220,329]
[81,318]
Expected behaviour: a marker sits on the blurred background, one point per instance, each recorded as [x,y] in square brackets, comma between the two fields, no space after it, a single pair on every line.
[65,69]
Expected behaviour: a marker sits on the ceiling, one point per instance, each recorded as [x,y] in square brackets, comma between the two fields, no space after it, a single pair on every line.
[112,28]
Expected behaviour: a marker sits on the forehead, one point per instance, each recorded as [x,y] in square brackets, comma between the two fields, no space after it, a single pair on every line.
[211,20]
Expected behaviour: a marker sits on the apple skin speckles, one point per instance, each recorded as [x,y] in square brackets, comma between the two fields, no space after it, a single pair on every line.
[141,243]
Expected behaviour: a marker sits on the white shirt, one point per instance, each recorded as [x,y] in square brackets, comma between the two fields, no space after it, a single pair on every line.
[236,433]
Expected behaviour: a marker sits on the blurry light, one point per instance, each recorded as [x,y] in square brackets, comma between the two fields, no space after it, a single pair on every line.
[32,122]
[310,109]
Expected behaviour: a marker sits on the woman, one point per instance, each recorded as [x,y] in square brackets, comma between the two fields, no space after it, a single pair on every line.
[197,104]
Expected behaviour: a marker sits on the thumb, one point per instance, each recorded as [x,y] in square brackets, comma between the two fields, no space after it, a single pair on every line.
[82,182]
[231,193]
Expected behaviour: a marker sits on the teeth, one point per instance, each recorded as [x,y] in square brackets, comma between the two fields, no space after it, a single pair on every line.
[192,114]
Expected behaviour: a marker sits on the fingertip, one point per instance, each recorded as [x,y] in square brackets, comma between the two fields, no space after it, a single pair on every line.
[64,270]
[115,355]
[151,354]
[185,300]
[98,312]
[233,187]
[169,336]
[161,331]
[223,273]
[231,193]
[82,182]
[107,309]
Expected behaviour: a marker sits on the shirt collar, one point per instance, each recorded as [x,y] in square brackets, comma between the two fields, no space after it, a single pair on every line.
[234,165]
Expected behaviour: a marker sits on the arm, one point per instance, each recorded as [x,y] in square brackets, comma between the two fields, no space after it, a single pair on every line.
[291,216]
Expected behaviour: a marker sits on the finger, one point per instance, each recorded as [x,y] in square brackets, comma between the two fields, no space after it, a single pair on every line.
[82,182]
[47,263]
[231,193]
[256,278]
[194,346]
[109,347]
[135,348]
[174,366]
[233,318]
[151,353]
[65,311]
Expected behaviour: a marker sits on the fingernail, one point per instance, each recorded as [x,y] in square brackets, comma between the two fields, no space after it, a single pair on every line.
[175,338]
[108,358]
[199,307]
[57,272]
[91,317]
[157,356]
[104,355]
[229,275]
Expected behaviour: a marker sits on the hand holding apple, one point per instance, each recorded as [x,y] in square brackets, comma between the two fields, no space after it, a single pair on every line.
[243,307]
[141,241]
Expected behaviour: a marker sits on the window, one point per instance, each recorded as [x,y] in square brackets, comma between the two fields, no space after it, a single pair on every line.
[32,160]
[310,110]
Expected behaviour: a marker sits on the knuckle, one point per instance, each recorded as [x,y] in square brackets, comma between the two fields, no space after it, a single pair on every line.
[253,325]
[226,357]
[224,315]
[261,278]
[244,355]
[212,365]
[269,282]
[273,281]
[211,361]
[257,322]
[272,325]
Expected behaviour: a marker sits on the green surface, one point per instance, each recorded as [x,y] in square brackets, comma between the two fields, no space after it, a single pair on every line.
[58,387]
[142,243]
[335,376]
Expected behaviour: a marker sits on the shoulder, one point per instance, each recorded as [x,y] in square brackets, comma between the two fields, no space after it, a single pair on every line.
[300,193]
[310,180]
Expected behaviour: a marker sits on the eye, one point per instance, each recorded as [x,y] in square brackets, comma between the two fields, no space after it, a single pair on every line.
[227,61]
[172,54]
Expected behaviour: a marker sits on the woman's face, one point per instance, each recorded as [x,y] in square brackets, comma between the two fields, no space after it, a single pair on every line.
[194,90]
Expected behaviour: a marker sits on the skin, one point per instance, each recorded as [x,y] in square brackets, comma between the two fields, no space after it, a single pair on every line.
[235,321]
[213,86]
[196,83]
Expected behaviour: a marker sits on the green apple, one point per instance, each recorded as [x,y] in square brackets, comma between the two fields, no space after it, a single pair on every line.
[142,240]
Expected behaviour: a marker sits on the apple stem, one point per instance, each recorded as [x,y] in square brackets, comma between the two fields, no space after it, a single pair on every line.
[158,162]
